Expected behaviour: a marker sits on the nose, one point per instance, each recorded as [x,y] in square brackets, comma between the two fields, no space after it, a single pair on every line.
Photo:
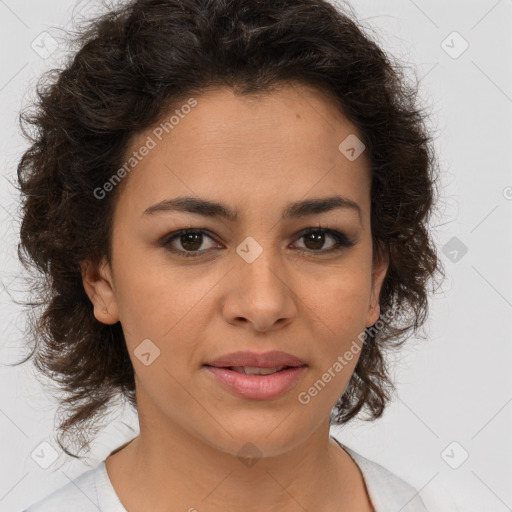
[260,294]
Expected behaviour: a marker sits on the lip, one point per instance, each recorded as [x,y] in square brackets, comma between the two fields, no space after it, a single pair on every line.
[258,387]
[260,360]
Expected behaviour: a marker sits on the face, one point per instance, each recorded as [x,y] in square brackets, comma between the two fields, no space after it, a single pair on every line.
[283,275]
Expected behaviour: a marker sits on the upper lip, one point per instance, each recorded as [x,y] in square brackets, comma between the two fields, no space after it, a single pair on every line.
[258,360]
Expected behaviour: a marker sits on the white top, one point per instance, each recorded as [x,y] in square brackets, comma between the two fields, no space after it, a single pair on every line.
[93,492]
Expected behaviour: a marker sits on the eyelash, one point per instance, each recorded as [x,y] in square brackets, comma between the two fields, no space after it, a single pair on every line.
[342,242]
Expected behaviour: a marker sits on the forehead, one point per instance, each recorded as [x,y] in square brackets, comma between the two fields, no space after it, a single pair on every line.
[283,143]
[289,117]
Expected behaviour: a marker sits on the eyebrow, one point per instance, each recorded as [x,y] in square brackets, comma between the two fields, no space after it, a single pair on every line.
[293,210]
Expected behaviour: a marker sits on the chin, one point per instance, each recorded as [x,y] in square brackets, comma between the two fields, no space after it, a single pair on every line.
[263,437]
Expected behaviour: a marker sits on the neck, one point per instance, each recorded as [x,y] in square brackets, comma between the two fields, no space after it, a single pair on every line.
[178,468]
[173,465]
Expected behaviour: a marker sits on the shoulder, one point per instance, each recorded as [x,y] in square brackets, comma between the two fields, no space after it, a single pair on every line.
[387,491]
[79,494]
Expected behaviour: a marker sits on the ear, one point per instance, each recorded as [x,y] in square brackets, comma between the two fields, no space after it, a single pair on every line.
[98,284]
[380,267]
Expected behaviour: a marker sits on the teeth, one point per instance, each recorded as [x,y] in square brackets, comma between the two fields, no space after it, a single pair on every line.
[253,370]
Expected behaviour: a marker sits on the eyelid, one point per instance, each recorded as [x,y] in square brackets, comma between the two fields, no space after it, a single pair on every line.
[342,241]
[342,238]
[165,242]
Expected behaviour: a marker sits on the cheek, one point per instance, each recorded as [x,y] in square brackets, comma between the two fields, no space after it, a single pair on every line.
[341,297]
[338,310]
[162,302]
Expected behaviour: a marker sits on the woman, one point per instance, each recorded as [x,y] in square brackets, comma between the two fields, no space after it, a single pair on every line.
[230,202]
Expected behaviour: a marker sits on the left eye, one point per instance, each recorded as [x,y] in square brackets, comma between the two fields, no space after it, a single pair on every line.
[192,239]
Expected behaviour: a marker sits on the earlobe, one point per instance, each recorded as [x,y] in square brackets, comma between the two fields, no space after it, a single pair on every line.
[98,284]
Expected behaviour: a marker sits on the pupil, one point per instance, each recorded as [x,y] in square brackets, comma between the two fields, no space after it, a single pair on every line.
[318,243]
[186,238]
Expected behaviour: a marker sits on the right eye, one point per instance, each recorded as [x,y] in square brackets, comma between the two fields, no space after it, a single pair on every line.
[190,240]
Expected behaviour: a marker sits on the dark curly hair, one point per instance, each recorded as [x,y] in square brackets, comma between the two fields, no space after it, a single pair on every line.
[130,65]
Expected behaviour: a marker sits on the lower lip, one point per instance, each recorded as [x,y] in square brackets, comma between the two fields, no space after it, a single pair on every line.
[258,387]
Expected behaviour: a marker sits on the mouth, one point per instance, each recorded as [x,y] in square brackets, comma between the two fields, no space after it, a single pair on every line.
[249,360]
[257,383]
[253,370]
[257,375]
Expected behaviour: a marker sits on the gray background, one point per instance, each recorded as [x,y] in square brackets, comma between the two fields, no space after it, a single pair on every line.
[455,387]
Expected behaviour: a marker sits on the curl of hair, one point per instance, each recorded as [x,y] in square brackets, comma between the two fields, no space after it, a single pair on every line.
[131,66]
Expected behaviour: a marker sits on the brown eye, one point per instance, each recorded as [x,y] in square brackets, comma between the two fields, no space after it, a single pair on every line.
[315,238]
[189,240]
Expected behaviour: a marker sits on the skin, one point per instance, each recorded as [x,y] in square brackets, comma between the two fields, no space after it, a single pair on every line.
[255,154]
